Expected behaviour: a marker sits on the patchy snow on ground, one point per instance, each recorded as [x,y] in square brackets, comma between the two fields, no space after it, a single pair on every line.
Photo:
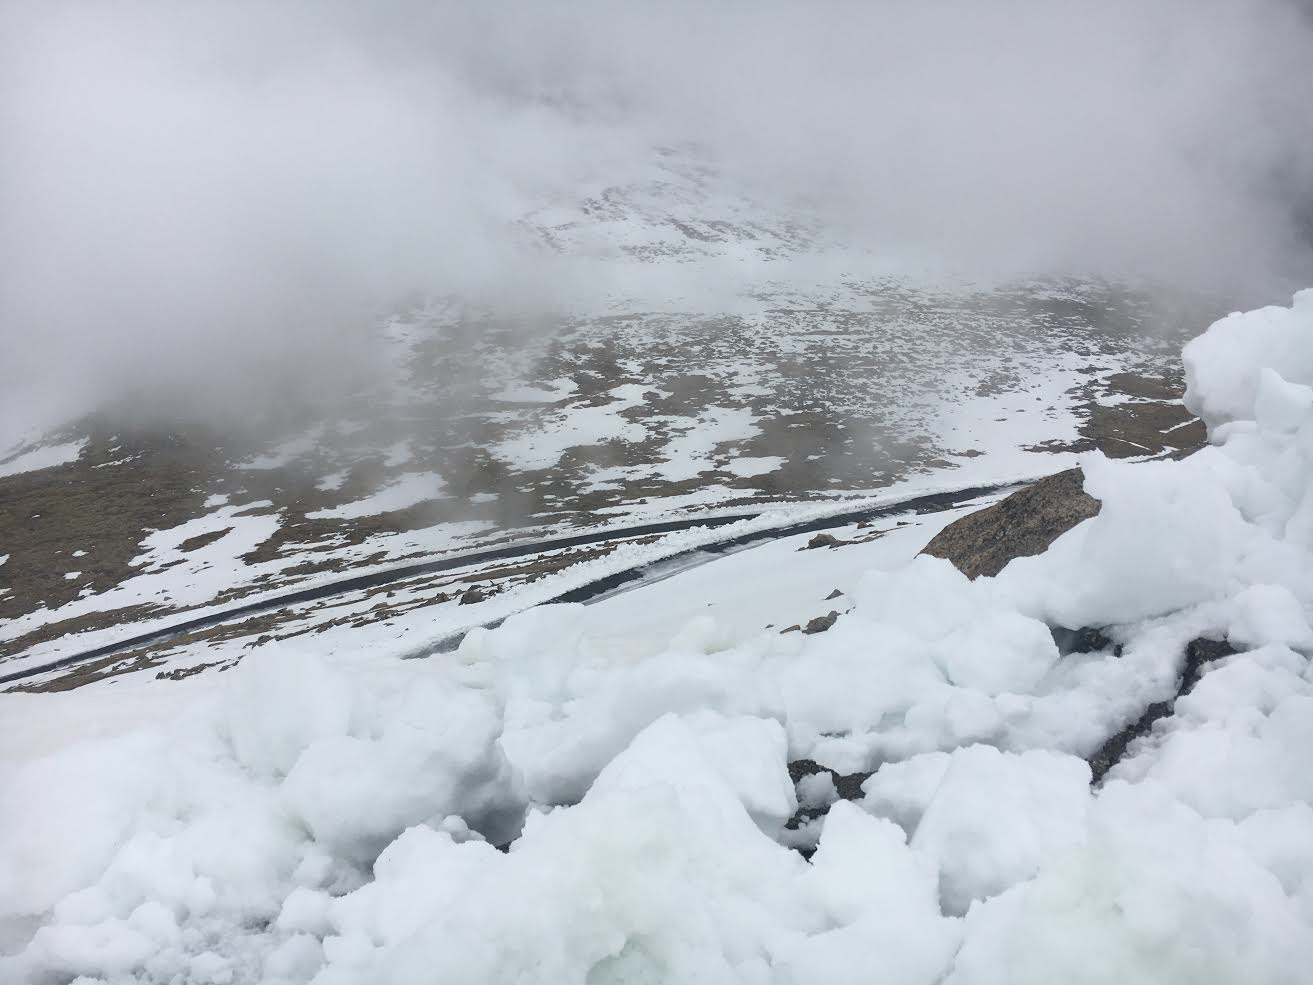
[170,571]
[43,456]
[691,451]
[521,393]
[406,491]
[288,451]
[332,819]
[559,431]
[750,467]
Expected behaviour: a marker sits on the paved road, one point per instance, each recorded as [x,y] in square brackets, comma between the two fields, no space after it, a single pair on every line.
[594,591]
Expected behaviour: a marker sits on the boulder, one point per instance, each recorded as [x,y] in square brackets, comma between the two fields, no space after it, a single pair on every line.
[1025,523]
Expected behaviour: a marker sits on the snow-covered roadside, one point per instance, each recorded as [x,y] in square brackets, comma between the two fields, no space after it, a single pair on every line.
[305,818]
[432,626]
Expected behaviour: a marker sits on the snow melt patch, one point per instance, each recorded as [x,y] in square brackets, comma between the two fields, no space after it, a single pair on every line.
[406,491]
[573,427]
[42,457]
[750,468]
[524,394]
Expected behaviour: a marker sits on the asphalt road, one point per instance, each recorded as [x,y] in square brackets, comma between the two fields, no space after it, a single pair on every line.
[594,591]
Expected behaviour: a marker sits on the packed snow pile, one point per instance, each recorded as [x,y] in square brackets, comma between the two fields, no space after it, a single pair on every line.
[544,805]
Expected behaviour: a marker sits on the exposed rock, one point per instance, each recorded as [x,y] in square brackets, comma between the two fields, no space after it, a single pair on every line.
[472,594]
[1085,640]
[203,540]
[821,623]
[834,595]
[822,540]
[1197,653]
[1025,523]
[846,787]
[1111,752]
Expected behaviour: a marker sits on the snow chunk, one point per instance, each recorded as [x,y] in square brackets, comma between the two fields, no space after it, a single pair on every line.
[1156,894]
[1224,366]
[1167,536]
[997,817]
[902,791]
[817,790]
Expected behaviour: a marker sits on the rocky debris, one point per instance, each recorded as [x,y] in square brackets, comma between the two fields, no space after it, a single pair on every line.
[1198,653]
[795,628]
[821,623]
[1088,639]
[846,787]
[1025,523]
[203,540]
[1111,752]
[471,595]
[822,540]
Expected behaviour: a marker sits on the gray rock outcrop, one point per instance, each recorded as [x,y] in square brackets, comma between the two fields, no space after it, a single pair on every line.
[1025,523]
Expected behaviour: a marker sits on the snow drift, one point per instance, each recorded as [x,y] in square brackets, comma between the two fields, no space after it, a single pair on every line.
[305,820]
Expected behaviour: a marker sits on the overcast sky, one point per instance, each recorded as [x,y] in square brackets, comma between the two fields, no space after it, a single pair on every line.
[199,191]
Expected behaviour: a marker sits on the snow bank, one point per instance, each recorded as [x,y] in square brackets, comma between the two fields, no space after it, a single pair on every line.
[308,821]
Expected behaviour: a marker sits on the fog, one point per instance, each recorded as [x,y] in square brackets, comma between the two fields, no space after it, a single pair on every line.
[205,202]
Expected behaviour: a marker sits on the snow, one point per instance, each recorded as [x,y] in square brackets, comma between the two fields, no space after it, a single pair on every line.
[166,573]
[409,489]
[331,482]
[288,451]
[574,427]
[997,817]
[42,457]
[631,756]
[691,451]
[751,467]
[524,394]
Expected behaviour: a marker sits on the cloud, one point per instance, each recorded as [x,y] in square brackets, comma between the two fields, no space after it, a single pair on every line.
[203,200]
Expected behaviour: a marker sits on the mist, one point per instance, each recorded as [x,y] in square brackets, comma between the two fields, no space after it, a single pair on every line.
[205,203]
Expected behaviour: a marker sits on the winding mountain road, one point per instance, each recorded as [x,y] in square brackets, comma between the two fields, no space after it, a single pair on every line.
[602,587]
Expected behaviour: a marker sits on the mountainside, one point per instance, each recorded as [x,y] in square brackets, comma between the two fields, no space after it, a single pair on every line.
[820,757]
[824,375]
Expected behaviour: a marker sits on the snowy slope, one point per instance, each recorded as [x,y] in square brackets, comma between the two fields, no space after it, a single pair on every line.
[702,351]
[633,755]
